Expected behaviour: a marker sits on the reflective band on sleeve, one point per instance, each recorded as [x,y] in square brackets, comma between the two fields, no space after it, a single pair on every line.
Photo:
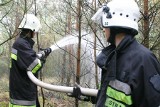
[112,103]
[14,54]
[34,67]
[119,96]
[121,86]
[13,105]
[22,102]
[14,51]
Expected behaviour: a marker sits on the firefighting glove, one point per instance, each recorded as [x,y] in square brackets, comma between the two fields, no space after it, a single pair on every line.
[45,52]
[78,95]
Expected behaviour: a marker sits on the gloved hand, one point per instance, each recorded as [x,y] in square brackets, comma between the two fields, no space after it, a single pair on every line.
[46,51]
[76,92]
[78,95]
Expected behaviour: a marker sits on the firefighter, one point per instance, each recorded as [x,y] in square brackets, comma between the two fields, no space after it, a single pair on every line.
[23,93]
[130,72]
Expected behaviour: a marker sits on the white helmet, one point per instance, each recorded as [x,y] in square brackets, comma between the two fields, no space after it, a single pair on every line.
[30,21]
[119,13]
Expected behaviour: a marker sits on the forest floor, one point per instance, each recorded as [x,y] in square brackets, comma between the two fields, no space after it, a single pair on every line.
[50,101]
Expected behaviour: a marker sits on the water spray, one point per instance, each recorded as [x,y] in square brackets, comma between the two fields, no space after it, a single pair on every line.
[65,41]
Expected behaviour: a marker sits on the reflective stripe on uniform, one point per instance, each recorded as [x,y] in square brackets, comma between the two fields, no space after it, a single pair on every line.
[14,54]
[121,86]
[16,103]
[34,67]
[113,103]
[13,105]
[120,91]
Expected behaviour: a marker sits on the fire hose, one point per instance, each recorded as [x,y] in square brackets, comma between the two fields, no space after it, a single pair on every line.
[64,89]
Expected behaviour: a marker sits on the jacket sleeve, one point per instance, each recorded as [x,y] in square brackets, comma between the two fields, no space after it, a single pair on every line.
[146,82]
[27,59]
[152,81]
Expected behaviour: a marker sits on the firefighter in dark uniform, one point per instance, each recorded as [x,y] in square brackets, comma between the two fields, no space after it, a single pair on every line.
[23,93]
[130,72]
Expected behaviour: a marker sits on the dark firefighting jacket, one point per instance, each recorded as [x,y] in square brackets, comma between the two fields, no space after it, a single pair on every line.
[23,58]
[130,76]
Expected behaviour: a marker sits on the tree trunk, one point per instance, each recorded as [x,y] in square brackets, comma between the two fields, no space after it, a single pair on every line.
[78,28]
[95,42]
[146,25]
[70,47]
[70,66]
[17,21]
[159,53]
[63,68]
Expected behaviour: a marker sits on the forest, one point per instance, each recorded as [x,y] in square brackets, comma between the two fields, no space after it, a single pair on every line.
[73,60]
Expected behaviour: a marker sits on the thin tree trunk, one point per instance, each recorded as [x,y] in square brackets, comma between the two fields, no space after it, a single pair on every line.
[146,25]
[63,68]
[70,47]
[78,28]
[9,55]
[38,47]
[159,53]
[95,55]
[63,74]
[70,66]
[17,20]
[67,31]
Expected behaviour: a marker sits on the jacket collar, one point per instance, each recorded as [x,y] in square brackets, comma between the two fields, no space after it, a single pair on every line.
[128,39]
[31,42]
[109,56]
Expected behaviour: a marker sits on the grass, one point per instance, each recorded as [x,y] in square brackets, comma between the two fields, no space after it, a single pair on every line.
[52,99]
[49,102]
[4,99]
[3,104]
